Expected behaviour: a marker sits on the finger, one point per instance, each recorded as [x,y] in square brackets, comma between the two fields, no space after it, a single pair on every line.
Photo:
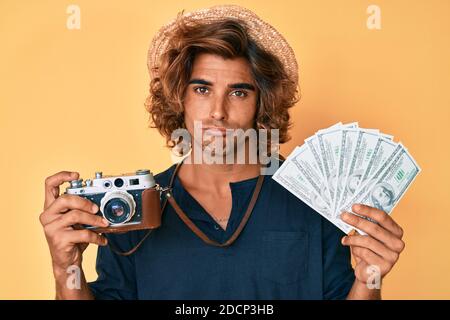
[357,258]
[372,244]
[67,202]
[371,258]
[379,216]
[85,236]
[374,230]
[76,217]
[53,182]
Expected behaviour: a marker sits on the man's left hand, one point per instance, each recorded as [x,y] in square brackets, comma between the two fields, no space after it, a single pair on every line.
[381,246]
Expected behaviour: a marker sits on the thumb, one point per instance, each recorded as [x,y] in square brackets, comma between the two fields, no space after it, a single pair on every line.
[52,184]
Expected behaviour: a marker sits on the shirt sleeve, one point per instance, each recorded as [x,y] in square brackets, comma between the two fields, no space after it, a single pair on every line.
[116,274]
[338,274]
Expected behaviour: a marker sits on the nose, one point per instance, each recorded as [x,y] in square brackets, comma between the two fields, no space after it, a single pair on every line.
[218,110]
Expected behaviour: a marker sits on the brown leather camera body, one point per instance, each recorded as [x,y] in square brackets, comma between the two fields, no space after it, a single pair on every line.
[151,215]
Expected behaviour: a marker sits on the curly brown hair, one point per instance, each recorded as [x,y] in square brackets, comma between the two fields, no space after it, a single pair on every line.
[228,39]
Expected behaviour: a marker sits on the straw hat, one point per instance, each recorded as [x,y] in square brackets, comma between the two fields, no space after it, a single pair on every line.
[266,36]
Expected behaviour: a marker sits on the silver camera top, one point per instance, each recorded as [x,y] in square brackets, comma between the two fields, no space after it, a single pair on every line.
[140,179]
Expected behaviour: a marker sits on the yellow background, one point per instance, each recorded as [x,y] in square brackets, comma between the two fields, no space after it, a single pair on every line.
[73,100]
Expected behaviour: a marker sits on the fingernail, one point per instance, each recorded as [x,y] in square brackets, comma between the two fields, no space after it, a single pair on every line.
[105,222]
[94,208]
[343,240]
[344,215]
[356,207]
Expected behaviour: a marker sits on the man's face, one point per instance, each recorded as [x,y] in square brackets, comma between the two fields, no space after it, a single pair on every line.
[222,95]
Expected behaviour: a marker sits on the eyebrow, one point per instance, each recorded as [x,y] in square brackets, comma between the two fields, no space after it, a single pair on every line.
[239,85]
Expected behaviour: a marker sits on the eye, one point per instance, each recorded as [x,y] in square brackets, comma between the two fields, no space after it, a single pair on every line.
[239,93]
[201,90]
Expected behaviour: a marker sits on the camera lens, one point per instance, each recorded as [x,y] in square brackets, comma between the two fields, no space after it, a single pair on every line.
[118,206]
[117,211]
[118,182]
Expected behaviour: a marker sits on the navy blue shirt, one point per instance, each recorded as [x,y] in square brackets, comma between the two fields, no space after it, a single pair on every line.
[286,251]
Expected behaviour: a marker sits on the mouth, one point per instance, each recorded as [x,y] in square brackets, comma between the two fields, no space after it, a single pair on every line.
[215,131]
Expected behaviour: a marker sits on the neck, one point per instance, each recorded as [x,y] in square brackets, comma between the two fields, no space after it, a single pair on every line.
[216,177]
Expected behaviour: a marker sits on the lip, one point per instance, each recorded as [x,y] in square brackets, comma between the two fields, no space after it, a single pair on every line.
[216,131]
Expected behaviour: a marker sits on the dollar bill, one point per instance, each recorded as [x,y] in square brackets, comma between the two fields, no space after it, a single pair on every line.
[347,149]
[383,150]
[291,178]
[370,182]
[366,143]
[388,184]
[329,147]
[313,145]
[305,161]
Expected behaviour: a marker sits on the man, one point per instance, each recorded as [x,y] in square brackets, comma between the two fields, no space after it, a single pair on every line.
[227,69]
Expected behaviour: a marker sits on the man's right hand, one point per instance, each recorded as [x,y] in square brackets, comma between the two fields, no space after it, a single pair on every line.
[60,213]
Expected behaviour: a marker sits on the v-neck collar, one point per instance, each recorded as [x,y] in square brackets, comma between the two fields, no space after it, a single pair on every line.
[195,210]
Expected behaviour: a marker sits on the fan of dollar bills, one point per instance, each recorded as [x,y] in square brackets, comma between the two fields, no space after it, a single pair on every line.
[345,164]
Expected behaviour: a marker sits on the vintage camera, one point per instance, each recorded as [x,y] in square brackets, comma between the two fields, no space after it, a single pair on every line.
[129,201]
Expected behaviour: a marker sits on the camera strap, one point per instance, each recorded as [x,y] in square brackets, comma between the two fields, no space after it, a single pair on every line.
[196,230]
[168,198]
